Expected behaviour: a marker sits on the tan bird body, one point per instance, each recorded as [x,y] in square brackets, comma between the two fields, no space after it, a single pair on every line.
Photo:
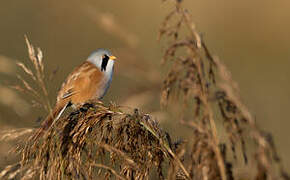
[88,81]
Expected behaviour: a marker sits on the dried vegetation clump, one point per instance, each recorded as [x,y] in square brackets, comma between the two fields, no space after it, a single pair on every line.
[98,141]
[204,81]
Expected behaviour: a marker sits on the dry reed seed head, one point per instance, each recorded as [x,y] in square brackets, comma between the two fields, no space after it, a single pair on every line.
[26,70]
[38,89]
[200,77]
[98,141]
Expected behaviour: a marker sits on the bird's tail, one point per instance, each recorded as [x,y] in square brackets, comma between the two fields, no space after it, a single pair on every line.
[49,121]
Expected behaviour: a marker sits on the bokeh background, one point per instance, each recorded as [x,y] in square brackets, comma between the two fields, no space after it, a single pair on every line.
[250,37]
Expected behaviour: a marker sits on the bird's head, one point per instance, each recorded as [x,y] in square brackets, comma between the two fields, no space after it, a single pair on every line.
[103,59]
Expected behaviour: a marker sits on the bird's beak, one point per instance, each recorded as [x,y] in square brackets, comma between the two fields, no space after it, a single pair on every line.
[112,57]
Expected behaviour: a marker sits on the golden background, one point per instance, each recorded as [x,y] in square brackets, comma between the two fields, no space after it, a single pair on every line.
[251,37]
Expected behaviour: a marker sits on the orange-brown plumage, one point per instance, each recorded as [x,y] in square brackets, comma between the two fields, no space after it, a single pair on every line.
[87,81]
[84,83]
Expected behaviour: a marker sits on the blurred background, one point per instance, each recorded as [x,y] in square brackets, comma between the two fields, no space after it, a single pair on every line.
[250,37]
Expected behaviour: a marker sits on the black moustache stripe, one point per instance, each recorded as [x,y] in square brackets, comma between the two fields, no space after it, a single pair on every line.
[104,62]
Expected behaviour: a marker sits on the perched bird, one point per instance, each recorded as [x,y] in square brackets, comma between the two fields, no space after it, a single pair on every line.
[88,81]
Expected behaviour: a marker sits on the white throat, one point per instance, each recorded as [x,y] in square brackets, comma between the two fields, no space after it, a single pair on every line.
[109,69]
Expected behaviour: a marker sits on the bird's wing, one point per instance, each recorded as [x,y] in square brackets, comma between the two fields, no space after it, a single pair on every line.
[82,84]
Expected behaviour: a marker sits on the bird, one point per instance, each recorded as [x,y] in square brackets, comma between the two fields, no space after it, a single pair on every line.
[88,81]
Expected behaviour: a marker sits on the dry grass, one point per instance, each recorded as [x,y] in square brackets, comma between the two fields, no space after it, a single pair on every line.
[39,93]
[202,79]
[98,141]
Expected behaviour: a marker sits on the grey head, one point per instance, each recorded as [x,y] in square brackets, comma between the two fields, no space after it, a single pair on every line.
[103,59]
